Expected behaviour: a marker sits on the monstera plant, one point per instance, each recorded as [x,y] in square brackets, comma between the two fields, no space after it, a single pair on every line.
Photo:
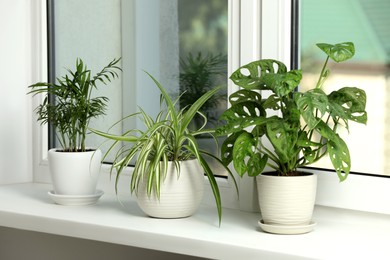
[301,127]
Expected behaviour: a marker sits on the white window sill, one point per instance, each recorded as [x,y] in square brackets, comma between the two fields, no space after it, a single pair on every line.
[339,234]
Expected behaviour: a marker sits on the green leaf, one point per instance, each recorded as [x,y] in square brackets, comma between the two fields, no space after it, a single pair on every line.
[349,103]
[283,137]
[244,148]
[272,102]
[312,105]
[267,74]
[244,95]
[227,147]
[338,52]
[194,108]
[214,186]
[282,84]
[248,76]
[171,107]
[241,115]
[337,149]
[256,164]
[309,154]
[304,141]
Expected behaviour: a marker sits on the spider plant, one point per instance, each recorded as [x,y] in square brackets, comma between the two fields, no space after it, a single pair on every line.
[73,105]
[167,138]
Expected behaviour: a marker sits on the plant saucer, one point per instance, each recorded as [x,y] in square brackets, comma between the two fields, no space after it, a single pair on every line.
[286,229]
[75,200]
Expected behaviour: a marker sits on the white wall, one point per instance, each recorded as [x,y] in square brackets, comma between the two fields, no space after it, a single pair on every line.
[16,73]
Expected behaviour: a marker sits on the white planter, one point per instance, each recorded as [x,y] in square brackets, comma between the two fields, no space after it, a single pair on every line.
[74,173]
[179,197]
[287,201]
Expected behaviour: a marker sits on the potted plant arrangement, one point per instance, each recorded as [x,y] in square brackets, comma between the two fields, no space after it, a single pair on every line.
[288,130]
[168,175]
[74,167]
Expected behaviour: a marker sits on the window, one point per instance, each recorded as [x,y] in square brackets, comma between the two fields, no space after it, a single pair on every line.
[160,37]
[366,24]
[257,29]
[181,43]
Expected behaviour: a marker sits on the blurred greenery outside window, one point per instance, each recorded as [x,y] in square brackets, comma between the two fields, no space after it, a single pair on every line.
[203,32]
[366,23]
[183,43]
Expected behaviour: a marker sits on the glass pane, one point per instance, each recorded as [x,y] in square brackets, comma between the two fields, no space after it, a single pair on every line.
[366,23]
[182,43]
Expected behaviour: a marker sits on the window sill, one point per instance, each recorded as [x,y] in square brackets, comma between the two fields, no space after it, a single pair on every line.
[339,234]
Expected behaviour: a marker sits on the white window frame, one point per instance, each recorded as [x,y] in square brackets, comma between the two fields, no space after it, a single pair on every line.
[257,29]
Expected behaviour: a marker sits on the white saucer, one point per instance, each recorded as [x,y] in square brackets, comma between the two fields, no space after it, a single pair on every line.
[287,230]
[75,200]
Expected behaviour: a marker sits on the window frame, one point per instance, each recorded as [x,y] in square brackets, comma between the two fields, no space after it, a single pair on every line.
[257,29]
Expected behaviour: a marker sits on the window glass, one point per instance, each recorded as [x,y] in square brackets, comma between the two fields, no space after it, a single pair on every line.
[366,23]
[182,43]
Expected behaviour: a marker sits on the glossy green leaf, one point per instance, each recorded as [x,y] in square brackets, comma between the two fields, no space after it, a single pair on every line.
[349,103]
[338,52]
[213,185]
[272,102]
[245,95]
[267,75]
[256,164]
[244,148]
[283,138]
[240,116]
[227,147]
[337,149]
[312,105]
[195,107]
[249,75]
[309,154]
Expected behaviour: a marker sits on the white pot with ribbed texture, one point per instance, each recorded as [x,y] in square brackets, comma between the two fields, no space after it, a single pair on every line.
[74,173]
[179,197]
[287,200]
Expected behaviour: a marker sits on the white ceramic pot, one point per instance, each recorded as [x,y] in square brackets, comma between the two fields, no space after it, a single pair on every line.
[286,200]
[74,173]
[179,197]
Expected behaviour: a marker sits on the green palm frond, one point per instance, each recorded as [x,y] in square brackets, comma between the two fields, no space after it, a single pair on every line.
[73,105]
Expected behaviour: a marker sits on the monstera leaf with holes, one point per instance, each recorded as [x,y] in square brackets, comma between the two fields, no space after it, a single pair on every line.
[301,127]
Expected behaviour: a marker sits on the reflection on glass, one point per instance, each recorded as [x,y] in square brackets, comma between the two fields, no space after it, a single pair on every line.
[203,60]
[182,43]
[366,23]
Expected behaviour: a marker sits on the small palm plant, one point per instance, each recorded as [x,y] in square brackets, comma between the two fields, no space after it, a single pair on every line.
[166,139]
[73,105]
[199,74]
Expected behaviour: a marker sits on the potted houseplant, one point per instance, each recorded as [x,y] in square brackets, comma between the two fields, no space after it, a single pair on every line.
[288,130]
[74,167]
[168,175]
